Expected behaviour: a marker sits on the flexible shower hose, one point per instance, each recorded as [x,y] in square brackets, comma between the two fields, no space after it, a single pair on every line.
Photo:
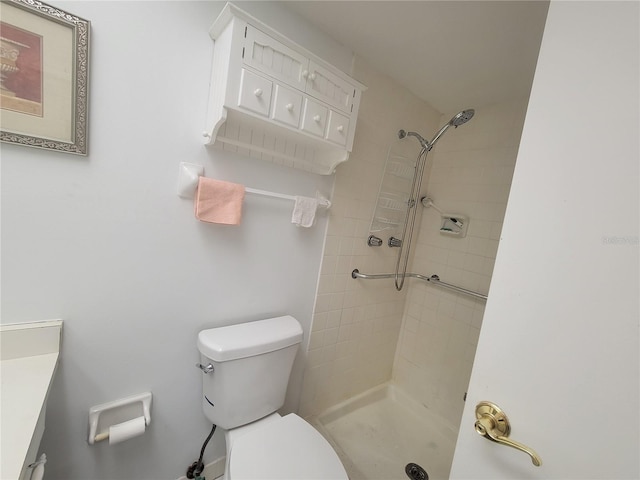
[410,218]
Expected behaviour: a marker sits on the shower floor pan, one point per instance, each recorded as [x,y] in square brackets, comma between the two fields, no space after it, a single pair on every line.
[382,430]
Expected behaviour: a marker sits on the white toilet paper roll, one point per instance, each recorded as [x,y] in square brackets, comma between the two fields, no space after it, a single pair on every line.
[126,430]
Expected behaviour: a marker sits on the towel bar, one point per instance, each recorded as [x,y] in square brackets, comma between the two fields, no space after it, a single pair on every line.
[322,201]
[188,181]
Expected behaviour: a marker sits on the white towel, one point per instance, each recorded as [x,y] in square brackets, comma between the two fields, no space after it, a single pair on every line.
[304,212]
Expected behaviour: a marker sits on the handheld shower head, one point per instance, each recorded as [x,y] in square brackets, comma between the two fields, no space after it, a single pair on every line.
[458,119]
[462,117]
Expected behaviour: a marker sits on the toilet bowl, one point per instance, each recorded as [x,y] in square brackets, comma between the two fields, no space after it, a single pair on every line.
[246,370]
[283,448]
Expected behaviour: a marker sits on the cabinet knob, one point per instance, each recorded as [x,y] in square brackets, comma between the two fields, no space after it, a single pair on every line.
[305,73]
[313,76]
[317,118]
[289,106]
[257,92]
[340,128]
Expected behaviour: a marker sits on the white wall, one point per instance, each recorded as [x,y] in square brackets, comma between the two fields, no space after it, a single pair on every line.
[104,243]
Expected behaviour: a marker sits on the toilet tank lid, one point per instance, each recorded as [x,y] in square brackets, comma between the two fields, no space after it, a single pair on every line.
[248,339]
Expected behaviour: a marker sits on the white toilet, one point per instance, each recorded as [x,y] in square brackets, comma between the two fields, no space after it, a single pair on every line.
[246,370]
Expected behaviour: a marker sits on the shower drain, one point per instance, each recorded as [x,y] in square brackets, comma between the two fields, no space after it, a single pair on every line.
[416,472]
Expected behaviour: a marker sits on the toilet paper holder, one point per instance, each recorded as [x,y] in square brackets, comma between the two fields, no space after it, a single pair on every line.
[118,413]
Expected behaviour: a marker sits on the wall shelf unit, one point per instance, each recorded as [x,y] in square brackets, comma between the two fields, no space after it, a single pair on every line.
[274,100]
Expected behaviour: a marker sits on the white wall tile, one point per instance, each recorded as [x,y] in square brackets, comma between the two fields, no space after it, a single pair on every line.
[471,175]
[365,330]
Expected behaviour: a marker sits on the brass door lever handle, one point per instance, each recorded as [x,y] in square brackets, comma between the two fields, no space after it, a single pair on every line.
[492,423]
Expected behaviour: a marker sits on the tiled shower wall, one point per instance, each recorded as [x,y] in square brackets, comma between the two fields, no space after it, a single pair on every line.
[364,331]
[356,323]
[471,176]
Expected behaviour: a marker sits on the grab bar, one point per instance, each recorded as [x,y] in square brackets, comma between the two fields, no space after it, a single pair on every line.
[435,279]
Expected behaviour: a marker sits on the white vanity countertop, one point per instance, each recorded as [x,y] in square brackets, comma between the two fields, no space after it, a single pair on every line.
[29,359]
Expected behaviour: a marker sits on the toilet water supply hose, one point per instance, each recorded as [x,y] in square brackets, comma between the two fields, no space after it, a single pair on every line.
[196,468]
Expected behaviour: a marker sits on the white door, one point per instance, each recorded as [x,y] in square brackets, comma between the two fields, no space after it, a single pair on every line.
[558,351]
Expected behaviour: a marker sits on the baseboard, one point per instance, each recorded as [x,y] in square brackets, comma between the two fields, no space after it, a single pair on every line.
[212,470]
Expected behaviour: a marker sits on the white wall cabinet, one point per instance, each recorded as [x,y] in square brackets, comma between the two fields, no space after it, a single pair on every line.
[274,100]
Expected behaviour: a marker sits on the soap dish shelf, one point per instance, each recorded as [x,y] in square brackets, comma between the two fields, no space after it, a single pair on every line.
[454,225]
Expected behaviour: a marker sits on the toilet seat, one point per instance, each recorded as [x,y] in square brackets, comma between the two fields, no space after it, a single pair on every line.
[288,448]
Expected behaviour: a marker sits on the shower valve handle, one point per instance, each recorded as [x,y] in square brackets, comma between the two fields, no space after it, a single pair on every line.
[492,423]
[374,241]
[394,242]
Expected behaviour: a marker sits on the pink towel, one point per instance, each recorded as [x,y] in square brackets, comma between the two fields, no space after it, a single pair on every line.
[219,202]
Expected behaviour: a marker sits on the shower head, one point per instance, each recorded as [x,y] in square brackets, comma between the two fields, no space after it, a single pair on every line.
[458,119]
[462,117]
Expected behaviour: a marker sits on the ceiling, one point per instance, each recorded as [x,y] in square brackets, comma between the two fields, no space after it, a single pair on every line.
[453,54]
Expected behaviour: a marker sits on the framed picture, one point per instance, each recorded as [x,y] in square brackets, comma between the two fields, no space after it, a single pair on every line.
[44,76]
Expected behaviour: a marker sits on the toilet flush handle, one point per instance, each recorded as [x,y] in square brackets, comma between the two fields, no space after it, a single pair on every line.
[206,369]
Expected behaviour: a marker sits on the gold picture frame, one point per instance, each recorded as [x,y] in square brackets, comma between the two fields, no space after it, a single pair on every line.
[45,75]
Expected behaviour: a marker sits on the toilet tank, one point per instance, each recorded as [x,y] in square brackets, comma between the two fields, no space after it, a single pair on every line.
[252,363]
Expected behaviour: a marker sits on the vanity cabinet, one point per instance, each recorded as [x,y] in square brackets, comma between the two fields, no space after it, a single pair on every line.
[28,360]
[272,99]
